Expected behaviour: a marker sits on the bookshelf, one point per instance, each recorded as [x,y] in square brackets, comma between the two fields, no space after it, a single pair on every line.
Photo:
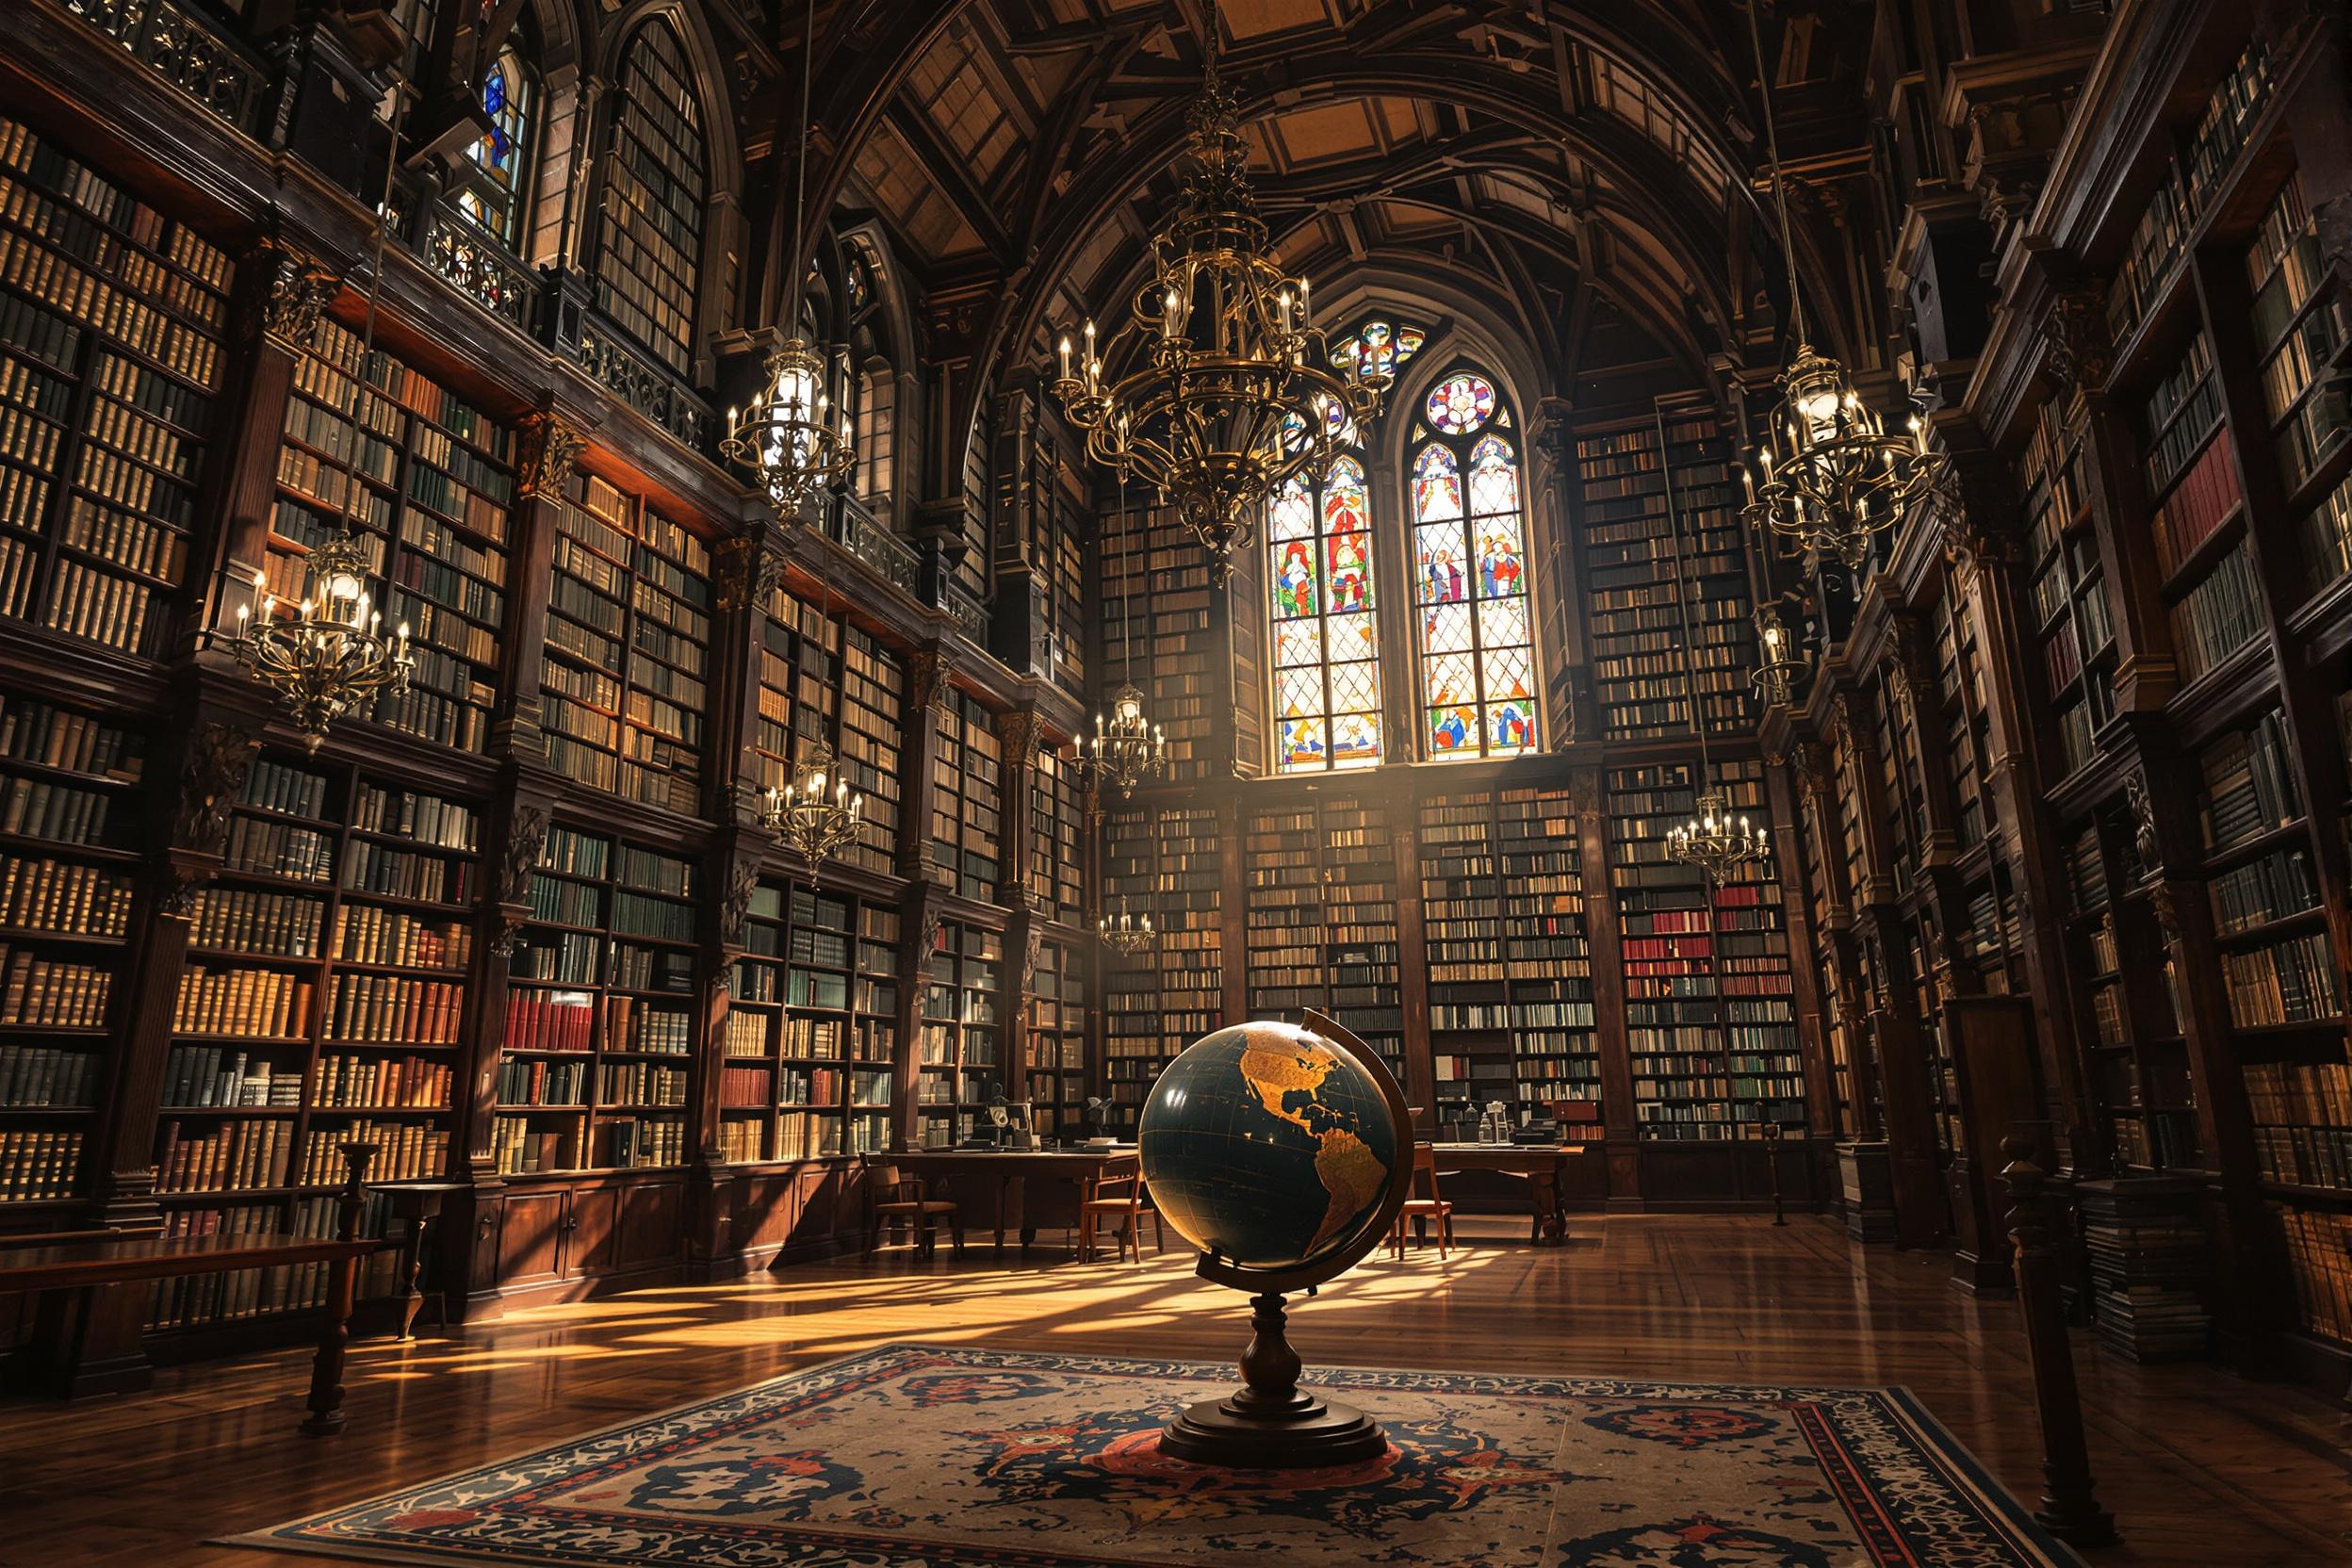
[628,637]
[1057,850]
[962,1066]
[967,799]
[602,1006]
[1157,1002]
[67,819]
[1711,1021]
[433,487]
[1645,668]
[1509,965]
[811,1027]
[112,323]
[2067,590]
[1159,631]
[323,1001]
[1057,1041]
[822,680]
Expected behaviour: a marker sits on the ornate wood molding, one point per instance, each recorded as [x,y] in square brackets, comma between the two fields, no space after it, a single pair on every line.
[551,446]
[748,571]
[213,770]
[292,290]
[2076,348]
[525,837]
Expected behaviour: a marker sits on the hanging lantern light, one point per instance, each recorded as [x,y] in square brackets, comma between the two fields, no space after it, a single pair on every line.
[1780,663]
[1830,475]
[791,438]
[327,654]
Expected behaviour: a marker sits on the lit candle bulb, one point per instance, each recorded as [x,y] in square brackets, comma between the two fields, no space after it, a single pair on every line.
[1064,348]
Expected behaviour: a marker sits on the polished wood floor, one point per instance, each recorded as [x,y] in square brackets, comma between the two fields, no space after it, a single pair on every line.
[2201,1468]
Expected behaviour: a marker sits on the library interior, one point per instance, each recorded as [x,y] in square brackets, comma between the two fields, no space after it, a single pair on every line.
[1133,783]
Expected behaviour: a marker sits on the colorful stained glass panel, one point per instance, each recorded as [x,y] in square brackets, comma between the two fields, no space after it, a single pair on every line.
[1297,590]
[1454,729]
[1302,691]
[1461,403]
[1352,637]
[1298,643]
[1302,743]
[1355,739]
[1436,485]
[1439,574]
[1326,642]
[1510,726]
[1500,557]
[1494,478]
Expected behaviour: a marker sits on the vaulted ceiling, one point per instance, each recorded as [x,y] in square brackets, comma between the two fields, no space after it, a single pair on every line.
[1570,168]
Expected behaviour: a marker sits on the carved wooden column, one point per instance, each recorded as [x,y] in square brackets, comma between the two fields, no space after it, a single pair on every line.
[1018,733]
[1412,938]
[921,914]
[1817,793]
[517,825]
[1620,1135]
[738,855]
[748,568]
[1573,704]
[551,445]
[285,290]
[1980,529]
[1787,868]
[923,908]
[201,773]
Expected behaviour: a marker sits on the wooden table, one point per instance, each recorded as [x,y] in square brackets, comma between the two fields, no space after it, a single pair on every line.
[416,1205]
[1544,1167]
[1010,1169]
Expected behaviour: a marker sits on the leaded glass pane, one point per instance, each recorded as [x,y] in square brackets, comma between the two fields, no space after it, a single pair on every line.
[1445,629]
[1436,484]
[1500,553]
[1454,730]
[1437,551]
[1510,726]
[1453,678]
[1461,403]
[1494,478]
[1326,642]
[1503,622]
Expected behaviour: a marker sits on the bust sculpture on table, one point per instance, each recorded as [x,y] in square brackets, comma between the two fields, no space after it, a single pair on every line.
[1283,1154]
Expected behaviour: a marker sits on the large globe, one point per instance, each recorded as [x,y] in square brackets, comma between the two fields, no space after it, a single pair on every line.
[1270,1146]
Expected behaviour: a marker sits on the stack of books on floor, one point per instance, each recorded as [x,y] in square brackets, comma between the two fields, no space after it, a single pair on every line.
[2147,1255]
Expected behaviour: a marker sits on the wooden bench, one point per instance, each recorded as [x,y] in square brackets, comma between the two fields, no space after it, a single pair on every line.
[90,1266]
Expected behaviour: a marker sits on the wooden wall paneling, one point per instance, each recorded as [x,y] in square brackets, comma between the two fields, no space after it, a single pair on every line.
[1990,1042]
[1233,907]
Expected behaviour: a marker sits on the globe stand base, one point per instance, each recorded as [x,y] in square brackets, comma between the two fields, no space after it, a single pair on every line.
[1272,1424]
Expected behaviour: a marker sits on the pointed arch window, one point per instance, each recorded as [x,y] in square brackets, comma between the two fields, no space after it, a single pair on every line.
[656,181]
[495,181]
[1470,594]
[1327,643]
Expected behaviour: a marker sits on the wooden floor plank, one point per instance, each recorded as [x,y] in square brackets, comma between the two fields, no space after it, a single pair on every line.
[2203,1469]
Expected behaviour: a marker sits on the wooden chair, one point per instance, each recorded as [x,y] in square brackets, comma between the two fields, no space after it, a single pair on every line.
[1420,1210]
[896,1198]
[1117,1190]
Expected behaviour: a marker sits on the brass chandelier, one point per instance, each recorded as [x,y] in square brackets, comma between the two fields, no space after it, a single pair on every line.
[1126,747]
[790,437]
[817,813]
[1830,475]
[1714,840]
[1228,390]
[1125,932]
[329,654]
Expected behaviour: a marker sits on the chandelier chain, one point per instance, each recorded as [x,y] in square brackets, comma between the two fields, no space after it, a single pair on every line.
[1780,176]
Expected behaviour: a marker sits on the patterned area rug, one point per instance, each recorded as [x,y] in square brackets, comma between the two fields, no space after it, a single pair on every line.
[921,1457]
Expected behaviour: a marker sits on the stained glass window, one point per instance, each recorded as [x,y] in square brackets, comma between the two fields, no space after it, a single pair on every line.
[497,188]
[1327,647]
[1470,586]
[1379,345]
[656,185]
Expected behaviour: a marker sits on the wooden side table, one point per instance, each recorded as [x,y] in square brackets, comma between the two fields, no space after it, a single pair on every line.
[416,1205]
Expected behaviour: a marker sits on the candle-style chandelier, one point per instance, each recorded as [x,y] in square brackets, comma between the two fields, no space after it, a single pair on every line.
[1226,389]
[790,438]
[817,813]
[1830,475]
[1125,932]
[1715,841]
[1780,663]
[327,653]
[1126,747]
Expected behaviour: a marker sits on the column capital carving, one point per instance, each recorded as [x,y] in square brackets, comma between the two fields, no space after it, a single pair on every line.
[292,288]
[748,570]
[551,446]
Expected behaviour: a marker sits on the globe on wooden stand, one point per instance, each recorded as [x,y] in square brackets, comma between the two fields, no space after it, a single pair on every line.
[1284,1152]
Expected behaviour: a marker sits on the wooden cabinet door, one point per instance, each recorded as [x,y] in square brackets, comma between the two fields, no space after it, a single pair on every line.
[651,1215]
[588,1240]
[530,1236]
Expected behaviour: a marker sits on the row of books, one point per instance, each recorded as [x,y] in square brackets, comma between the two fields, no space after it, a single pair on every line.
[48,1075]
[2318,1245]
[2145,1246]
[62,897]
[2290,981]
[48,992]
[199,1077]
[36,1164]
[640,1084]
[204,1299]
[538,1082]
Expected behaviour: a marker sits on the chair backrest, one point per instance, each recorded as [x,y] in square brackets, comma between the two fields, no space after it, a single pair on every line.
[1425,1167]
[1123,1172]
[886,1183]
